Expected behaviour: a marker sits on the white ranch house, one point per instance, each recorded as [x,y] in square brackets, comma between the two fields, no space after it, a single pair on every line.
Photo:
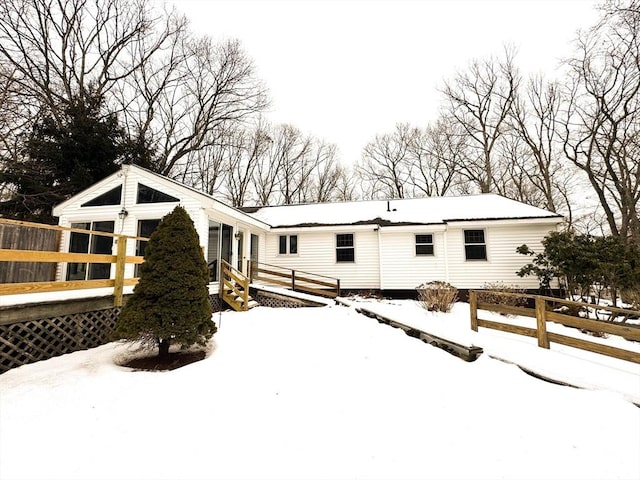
[369,245]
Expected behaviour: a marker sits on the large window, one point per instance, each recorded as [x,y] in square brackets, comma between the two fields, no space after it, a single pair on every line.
[424,244]
[288,244]
[345,251]
[475,247]
[90,243]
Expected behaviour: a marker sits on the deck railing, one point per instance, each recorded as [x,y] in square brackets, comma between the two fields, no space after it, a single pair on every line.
[120,259]
[544,312]
[234,286]
[296,280]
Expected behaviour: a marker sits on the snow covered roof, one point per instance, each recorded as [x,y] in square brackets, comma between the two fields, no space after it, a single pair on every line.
[418,211]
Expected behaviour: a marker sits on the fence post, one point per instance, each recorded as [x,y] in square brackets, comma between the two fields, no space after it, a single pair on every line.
[541,320]
[121,257]
[293,279]
[338,287]
[473,307]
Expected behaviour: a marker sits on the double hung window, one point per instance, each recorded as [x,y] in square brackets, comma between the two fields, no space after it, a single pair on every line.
[475,247]
[345,250]
[424,244]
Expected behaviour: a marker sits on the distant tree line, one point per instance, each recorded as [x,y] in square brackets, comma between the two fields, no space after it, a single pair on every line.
[86,85]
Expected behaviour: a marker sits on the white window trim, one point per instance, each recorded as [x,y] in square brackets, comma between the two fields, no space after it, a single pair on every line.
[415,244]
[335,241]
[288,245]
[486,249]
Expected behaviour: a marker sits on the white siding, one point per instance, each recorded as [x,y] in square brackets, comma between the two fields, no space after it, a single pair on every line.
[402,269]
[502,259]
[317,254]
[199,208]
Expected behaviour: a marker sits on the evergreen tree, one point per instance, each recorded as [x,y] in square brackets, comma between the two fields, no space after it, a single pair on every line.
[170,304]
[64,155]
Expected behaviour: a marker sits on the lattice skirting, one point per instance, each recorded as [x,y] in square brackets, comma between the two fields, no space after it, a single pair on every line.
[27,342]
[269,299]
[41,339]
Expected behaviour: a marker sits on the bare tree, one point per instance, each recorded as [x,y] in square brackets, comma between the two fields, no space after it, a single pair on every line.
[326,173]
[249,148]
[534,147]
[480,100]
[435,154]
[385,165]
[601,130]
[197,91]
[347,185]
[60,48]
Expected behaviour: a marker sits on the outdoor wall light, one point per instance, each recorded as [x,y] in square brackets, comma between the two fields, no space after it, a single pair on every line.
[122,214]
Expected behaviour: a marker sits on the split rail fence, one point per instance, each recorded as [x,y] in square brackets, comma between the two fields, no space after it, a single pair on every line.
[120,259]
[544,312]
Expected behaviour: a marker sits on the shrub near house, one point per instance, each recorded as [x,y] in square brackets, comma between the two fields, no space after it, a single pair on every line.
[170,304]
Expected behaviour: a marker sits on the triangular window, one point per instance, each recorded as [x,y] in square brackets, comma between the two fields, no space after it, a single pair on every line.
[150,195]
[112,197]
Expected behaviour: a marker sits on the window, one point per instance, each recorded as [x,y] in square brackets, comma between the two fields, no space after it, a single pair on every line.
[145,229]
[424,244]
[290,241]
[90,243]
[475,247]
[345,252]
[112,197]
[151,195]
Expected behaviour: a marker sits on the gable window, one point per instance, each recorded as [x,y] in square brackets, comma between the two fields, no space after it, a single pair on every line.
[151,195]
[288,244]
[424,244]
[90,243]
[112,197]
[345,251]
[475,247]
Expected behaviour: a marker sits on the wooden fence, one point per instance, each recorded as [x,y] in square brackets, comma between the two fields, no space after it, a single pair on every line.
[544,312]
[12,255]
[22,237]
[296,280]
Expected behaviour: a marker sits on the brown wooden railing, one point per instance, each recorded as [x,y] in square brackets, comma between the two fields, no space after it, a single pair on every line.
[234,286]
[296,280]
[543,313]
[38,256]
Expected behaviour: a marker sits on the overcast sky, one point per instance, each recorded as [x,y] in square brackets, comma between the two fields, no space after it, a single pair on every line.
[346,70]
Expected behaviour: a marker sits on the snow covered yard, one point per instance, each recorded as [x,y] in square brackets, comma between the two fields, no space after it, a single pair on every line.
[320,393]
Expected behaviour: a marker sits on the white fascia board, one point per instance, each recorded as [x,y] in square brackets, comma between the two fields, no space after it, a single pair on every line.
[552,221]
[413,228]
[326,228]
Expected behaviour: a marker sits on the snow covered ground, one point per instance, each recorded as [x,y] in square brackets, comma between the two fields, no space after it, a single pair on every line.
[311,393]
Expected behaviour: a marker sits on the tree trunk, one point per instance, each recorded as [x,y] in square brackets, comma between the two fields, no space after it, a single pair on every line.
[163,348]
